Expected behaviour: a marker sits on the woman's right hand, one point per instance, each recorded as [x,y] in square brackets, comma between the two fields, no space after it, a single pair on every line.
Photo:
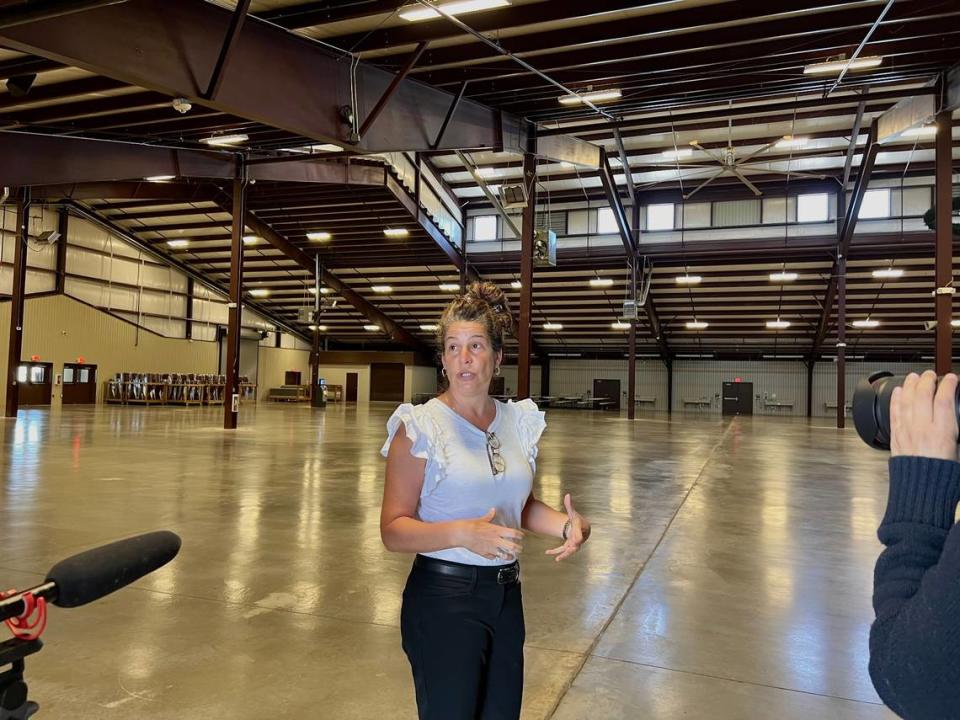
[923,417]
[483,537]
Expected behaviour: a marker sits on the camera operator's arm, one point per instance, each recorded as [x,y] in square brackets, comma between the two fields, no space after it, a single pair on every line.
[915,640]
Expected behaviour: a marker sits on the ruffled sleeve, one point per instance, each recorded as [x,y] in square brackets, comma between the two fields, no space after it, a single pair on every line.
[531,423]
[414,427]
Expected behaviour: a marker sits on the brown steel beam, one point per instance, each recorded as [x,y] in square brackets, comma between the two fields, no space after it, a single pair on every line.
[616,205]
[231,395]
[943,292]
[264,79]
[370,312]
[30,159]
[528,226]
[846,232]
[229,42]
[15,342]
[391,90]
[163,192]
[50,9]
[455,103]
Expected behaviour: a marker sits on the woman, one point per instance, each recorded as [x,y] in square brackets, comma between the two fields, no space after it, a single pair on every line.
[458,493]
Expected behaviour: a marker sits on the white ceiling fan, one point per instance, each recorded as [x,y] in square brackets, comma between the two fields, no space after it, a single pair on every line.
[730,164]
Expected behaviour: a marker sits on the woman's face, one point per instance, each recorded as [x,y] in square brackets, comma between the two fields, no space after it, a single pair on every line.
[468,358]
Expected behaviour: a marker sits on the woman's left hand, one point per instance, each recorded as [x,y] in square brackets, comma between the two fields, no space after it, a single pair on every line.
[577,535]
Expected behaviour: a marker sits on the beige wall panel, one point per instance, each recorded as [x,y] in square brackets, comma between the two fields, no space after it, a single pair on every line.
[60,329]
[274,362]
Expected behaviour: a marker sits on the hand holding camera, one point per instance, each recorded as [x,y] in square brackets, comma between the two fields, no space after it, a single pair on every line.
[923,417]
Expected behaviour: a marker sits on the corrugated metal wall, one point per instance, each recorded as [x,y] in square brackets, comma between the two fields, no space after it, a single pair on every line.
[108,273]
[776,384]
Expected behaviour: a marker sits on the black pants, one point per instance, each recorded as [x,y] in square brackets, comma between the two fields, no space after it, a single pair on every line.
[464,639]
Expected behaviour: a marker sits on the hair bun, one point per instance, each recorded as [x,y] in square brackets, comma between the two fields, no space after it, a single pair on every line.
[493,296]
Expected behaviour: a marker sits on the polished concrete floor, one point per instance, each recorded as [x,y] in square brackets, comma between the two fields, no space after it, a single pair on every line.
[728,576]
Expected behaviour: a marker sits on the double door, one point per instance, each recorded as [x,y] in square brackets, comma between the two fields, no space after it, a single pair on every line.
[34,383]
[79,384]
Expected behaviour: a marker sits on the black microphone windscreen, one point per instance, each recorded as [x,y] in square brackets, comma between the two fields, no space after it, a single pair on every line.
[90,575]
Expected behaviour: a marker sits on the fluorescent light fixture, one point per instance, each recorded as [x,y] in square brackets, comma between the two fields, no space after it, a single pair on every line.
[381,289]
[695,356]
[220,140]
[833,67]
[396,232]
[428,328]
[160,178]
[516,284]
[593,96]
[790,141]
[599,282]
[325,291]
[677,154]
[619,325]
[697,325]
[319,236]
[449,287]
[888,273]
[566,165]
[251,239]
[921,131]
[552,326]
[178,243]
[416,13]
[778,324]
[783,277]
[955,323]
[868,323]
[783,357]
[321,328]
[688,279]
[372,328]
[260,292]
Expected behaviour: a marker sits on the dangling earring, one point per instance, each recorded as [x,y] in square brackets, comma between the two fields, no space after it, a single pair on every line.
[496,370]
[443,371]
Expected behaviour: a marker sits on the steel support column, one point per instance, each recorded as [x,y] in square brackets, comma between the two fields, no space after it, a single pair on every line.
[632,344]
[315,349]
[188,330]
[632,373]
[944,242]
[63,226]
[841,340]
[810,365]
[526,275]
[669,362]
[15,345]
[231,395]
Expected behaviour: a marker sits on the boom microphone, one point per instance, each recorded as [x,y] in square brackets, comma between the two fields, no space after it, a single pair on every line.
[95,573]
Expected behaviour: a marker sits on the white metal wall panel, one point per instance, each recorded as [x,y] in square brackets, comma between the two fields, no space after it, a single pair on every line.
[696,215]
[736,213]
[574,377]
[773,381]
[86,234]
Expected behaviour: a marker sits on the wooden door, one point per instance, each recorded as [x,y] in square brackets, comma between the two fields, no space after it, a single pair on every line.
[386,382]
[608,390]
[34,383]
[79,384]
[351,393]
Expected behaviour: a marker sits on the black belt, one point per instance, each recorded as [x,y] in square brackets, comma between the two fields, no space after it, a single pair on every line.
[502,574]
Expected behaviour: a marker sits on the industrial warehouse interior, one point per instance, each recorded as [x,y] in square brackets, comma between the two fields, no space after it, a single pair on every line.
[229,230]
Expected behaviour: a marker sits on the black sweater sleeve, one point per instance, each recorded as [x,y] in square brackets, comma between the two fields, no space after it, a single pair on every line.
[915,639]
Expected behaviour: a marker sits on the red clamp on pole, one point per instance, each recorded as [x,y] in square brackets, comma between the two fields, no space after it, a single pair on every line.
[31,623]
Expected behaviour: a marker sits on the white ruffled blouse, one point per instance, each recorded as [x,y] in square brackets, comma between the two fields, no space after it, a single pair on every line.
[458,481]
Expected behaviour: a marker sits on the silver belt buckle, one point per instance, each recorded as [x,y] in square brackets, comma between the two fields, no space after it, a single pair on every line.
[508,575]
